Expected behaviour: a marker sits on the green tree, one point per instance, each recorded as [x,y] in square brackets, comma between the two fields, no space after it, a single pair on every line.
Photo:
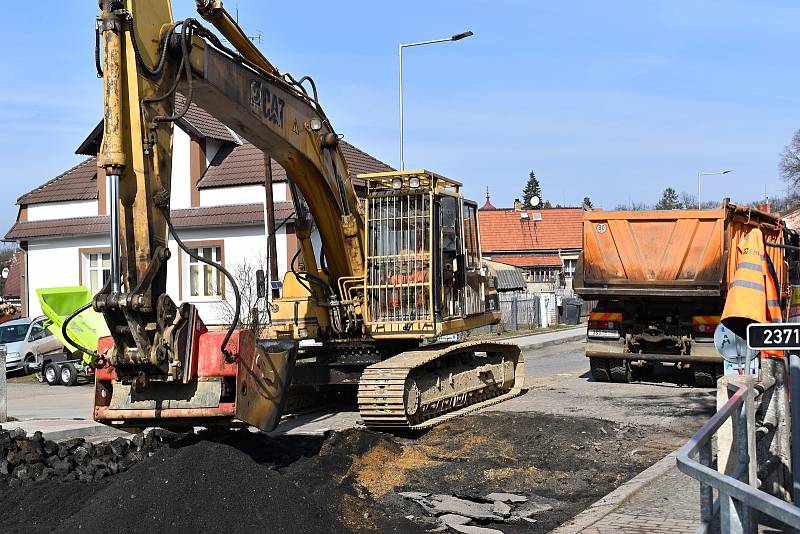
[669,200]
[532,189]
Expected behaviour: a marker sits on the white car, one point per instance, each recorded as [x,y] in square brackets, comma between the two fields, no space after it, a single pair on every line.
[26,340]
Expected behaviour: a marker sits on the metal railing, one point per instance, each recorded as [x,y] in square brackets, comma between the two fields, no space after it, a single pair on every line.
[739,498]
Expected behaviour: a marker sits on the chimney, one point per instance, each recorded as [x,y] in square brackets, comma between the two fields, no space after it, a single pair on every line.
[517,205]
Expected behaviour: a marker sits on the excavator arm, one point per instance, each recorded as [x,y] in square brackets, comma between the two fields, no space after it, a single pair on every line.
[146,59]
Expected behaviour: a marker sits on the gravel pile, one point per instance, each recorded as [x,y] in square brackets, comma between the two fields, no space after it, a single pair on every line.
[26,459]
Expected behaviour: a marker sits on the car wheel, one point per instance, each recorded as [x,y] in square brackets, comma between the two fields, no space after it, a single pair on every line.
[29,364]
[69,375]
[51,375]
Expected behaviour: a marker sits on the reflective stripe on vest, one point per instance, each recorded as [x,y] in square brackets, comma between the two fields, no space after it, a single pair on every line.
[747,293]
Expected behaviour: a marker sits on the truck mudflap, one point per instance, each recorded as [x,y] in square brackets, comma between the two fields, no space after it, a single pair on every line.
[615,350]
[250,390]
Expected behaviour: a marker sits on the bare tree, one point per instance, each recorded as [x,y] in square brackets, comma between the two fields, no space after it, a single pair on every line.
[253,312]
[687,200]
[633,206]
[789,166]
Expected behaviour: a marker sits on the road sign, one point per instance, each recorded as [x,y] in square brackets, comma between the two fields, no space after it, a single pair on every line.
[732,347]
[774,336]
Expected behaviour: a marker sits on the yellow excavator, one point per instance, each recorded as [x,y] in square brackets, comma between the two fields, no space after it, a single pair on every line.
[381,307]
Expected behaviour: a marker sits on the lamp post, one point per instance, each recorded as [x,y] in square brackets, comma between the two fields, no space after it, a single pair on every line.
[701,173]
[456,37]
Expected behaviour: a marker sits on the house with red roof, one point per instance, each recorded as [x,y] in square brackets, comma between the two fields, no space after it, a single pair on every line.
[218,204]
[544,243]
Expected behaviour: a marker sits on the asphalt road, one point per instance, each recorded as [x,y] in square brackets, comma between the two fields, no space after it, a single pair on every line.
[557,377]
[559,383]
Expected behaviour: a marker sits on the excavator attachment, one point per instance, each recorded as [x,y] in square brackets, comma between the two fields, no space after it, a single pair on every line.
[215,391]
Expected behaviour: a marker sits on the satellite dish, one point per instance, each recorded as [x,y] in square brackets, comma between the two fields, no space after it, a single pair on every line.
[5,272]
[733,348]
[534,201]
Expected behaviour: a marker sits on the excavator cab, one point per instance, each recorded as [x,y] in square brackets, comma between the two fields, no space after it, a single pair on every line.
[424,275]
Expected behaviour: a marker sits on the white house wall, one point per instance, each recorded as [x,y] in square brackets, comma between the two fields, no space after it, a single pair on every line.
[58,262]
[181,194]
[62,210]
[55,263]
[225,196]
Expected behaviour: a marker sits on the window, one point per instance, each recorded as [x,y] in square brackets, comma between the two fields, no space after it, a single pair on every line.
[205,280]
[471,236]
[99,270]
[37,331]
[569,267]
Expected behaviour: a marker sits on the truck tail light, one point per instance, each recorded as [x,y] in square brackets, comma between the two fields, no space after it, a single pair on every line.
[705,324]
[605,320]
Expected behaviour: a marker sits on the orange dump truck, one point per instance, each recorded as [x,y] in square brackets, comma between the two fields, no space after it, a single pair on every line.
[660,279]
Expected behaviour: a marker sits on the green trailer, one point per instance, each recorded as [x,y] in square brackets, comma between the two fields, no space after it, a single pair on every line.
[86,329]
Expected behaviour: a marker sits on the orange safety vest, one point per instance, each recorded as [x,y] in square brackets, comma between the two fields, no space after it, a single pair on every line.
[753,294]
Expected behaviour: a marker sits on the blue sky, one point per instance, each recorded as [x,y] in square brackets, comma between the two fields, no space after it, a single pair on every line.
[614,100]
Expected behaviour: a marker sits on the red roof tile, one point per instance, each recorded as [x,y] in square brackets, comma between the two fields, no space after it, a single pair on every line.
[244,165]
[78,183]
[205,124]
[232,215]
[13,285]
[528,260]
[503,230]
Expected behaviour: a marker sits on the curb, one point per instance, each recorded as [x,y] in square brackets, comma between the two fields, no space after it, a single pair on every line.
[616,498]
[578,336]
[66,431]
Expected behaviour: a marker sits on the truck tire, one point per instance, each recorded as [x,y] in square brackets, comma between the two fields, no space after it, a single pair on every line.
[642,372]
[51,374]
[69,375]
[599,369]
[620,371]
[703,375]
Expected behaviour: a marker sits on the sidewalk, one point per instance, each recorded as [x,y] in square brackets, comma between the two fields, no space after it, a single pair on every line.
[660,500]
[546,339]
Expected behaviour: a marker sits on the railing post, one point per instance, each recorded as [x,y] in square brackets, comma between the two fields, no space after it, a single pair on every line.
[736,454]
[706,491]
[794,421]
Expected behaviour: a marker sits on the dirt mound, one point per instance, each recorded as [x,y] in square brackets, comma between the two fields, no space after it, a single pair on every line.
[205,487]
[347,482]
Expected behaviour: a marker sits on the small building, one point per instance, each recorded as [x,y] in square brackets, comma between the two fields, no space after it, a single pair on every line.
[217,202]
[544,243]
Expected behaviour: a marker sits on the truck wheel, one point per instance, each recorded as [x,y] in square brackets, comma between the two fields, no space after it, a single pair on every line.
[642,372]
[599,369]
[704,375]
[69,375]
[620,371]
[52,375]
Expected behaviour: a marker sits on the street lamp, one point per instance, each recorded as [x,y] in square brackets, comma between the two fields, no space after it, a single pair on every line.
[456,37]
[701,173]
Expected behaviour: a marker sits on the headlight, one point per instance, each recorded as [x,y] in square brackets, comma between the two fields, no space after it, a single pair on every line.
[12,356]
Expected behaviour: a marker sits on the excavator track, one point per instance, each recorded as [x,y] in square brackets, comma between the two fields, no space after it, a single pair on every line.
[420,389]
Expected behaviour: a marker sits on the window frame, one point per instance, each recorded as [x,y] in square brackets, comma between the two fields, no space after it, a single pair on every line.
[184,273]
[84,270]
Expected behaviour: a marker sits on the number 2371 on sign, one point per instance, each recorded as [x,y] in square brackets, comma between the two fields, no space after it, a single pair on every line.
[774,336]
